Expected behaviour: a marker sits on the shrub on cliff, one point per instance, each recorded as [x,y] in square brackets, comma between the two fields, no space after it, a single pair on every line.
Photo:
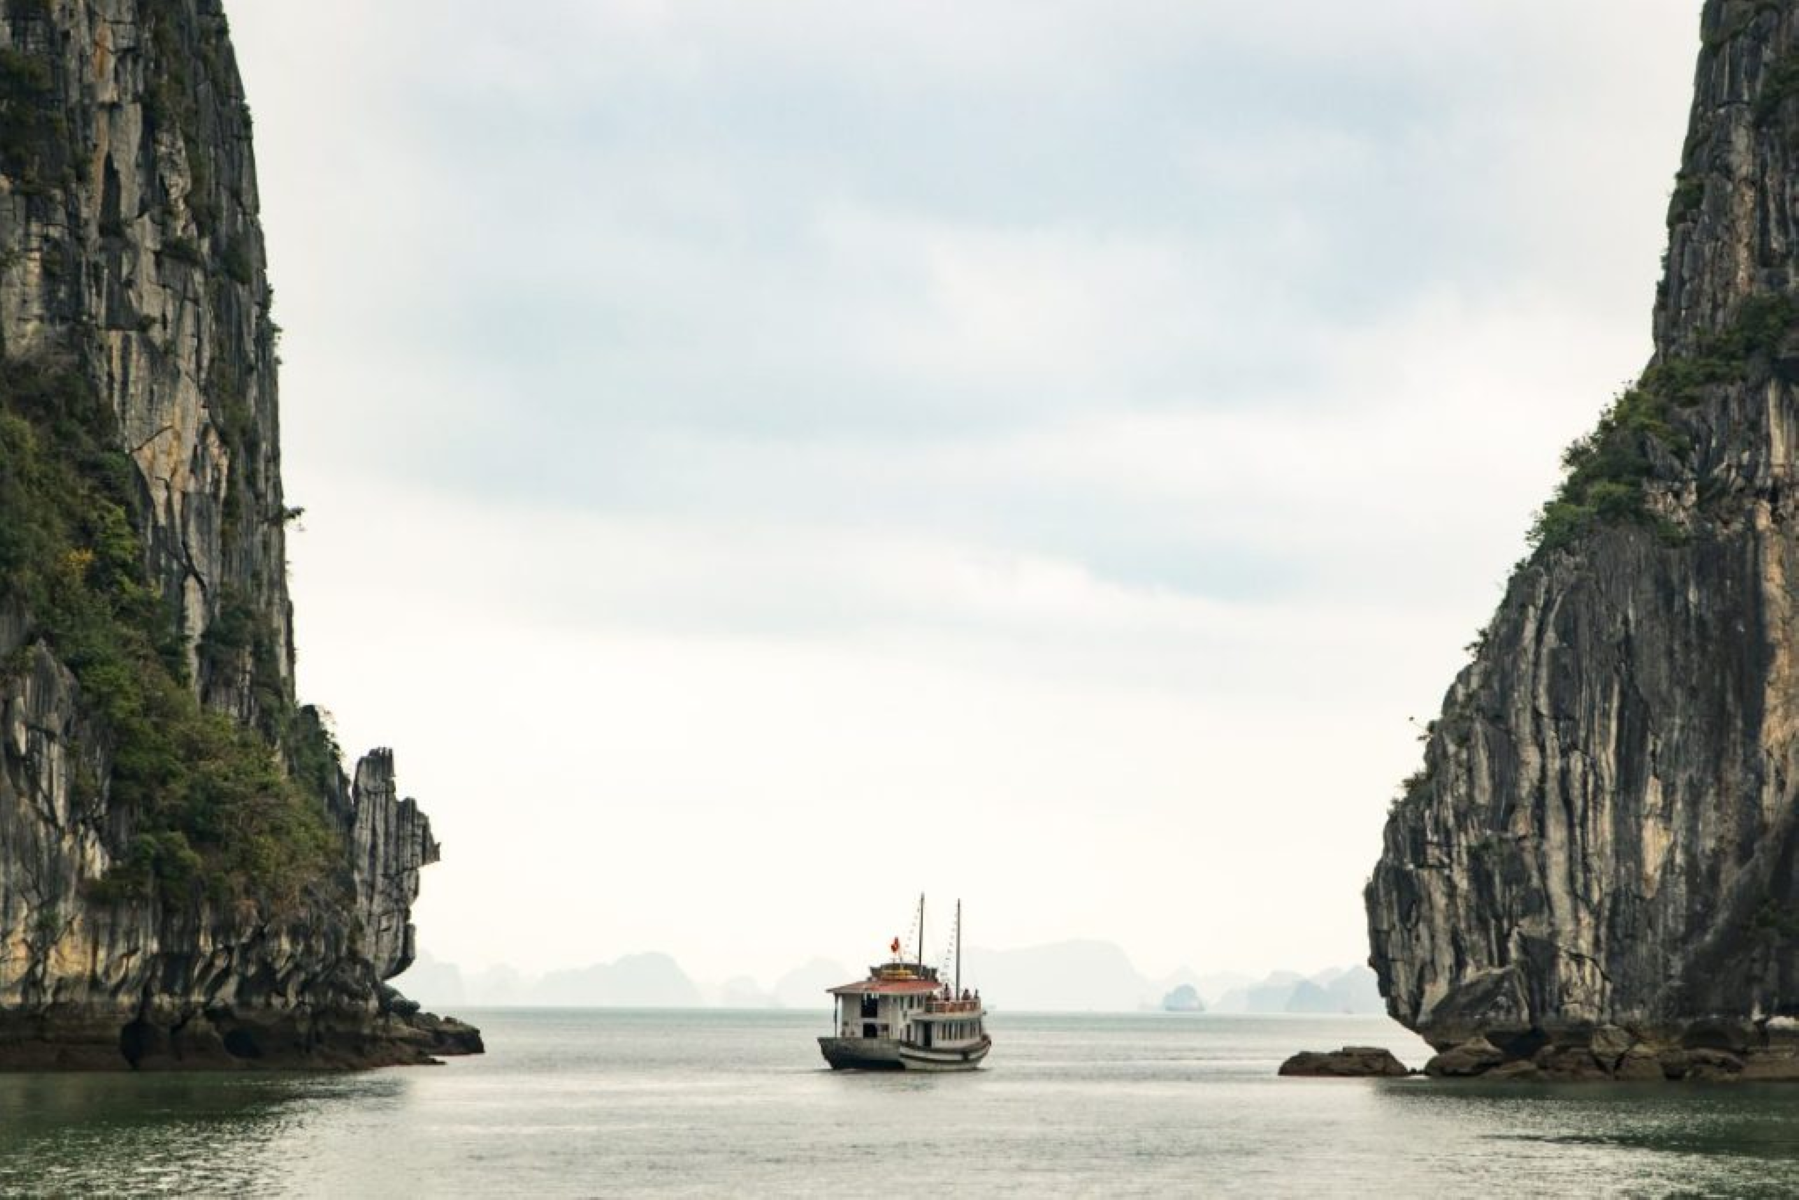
[1606,470]
[214,812]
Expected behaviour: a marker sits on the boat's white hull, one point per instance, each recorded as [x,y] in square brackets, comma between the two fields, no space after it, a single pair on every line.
[959,1058]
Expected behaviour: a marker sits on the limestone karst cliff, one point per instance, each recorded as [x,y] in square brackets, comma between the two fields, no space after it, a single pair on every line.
[187,876]
[1596,872]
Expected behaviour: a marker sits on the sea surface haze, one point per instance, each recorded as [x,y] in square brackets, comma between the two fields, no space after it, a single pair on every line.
[618,1102]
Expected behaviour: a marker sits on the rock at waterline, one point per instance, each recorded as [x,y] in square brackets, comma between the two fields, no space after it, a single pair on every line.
[1476,1056]
[1351,1062]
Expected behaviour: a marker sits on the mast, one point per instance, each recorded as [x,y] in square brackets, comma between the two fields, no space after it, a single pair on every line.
[921,933]
[958,949]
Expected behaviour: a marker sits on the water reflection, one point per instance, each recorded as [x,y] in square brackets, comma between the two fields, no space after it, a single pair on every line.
[207,1132]
[1728,1137]
[718,1103]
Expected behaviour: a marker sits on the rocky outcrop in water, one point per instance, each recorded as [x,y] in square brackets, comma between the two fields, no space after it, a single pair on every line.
[187,876]
[1351,1062]
[1594,874]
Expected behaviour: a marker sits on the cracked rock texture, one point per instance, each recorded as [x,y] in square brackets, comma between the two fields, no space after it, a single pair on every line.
[1594,875]
[136,240]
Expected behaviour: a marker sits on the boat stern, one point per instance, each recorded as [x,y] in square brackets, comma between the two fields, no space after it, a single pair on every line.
[861,1054]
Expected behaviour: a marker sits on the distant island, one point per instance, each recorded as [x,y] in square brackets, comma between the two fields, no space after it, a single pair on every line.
[1183,999]
[1073,976]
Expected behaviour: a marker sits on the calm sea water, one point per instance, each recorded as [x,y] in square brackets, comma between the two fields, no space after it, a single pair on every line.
[711,1103]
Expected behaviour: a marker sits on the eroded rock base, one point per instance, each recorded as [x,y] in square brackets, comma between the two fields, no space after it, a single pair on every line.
[1701,1052]
[221,1039]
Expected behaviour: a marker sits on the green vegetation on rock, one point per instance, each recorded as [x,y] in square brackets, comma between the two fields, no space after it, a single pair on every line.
[1779,84]
[1606,470]
[1688,198]
[214,813]
[33,131]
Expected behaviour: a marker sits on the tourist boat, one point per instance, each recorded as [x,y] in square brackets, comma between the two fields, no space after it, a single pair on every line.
[904,1018]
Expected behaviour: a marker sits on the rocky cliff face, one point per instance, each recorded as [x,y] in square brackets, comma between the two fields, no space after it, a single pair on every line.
[175,888]
[1595,872]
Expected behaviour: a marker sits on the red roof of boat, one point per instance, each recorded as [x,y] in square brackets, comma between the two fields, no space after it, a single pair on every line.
[888,987]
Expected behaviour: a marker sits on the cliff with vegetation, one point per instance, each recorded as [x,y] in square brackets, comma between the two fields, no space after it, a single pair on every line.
[187,876]
[1594,874]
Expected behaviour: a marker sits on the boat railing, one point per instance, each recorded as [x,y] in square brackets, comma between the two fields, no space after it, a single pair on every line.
[953,1006]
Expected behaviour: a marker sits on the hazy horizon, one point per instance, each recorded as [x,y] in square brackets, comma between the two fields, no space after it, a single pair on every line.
[762,463]
[1077,976]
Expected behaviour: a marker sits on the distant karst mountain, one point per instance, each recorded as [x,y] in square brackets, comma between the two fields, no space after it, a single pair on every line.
[1351,991]
[1183,999]
[805,987]
[634,981]
[1075,976]
[1593,872]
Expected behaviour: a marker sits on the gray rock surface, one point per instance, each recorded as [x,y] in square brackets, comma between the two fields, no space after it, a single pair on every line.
[140,259]
[1351,1062]
[1605,831]
[1476,1056]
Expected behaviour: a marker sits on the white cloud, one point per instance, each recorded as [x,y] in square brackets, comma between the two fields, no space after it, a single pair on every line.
[735,433]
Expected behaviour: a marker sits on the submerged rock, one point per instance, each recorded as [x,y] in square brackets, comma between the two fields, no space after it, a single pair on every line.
[1639,1064]
[1476,1056]
[1517,1070]
[1351,1062]
[1572,1064]
[1594,867]
[1711,1064]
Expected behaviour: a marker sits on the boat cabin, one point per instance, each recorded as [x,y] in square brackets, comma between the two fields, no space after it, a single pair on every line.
[886,1003]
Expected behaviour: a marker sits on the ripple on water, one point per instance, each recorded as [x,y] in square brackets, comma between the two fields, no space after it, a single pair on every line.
[714,1103]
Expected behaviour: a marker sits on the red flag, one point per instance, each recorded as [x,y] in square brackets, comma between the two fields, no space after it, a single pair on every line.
[896,945]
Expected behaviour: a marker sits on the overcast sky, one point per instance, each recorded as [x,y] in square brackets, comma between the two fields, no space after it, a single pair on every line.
[764,460]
